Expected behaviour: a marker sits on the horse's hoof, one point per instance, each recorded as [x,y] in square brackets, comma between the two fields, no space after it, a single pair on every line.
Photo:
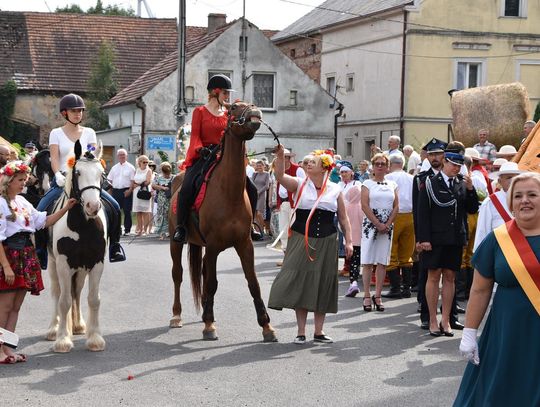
[63,345]
[210,335]
[175,322]
[270,337]
[51,335]
[95,343]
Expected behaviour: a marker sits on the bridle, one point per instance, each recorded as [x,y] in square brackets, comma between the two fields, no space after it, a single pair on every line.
[76,192]
[241,119]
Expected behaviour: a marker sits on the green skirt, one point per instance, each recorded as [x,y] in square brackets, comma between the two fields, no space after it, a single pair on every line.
[301,283]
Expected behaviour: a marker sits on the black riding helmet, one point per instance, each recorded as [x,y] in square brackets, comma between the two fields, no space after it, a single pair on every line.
[220,81]
[71,101]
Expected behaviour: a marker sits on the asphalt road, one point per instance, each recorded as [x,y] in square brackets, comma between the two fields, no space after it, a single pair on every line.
[378,359]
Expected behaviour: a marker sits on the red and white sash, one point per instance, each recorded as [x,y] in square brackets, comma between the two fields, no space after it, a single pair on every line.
[500,208]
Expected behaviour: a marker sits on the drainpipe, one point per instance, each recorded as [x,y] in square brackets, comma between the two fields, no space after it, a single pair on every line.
[339,113]
[402,98]
[141,105]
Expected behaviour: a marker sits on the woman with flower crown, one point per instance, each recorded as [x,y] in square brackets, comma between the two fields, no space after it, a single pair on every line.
[19,267]
[308,281]
[61,142]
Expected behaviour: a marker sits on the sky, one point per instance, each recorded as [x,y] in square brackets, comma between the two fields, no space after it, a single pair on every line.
[265,14]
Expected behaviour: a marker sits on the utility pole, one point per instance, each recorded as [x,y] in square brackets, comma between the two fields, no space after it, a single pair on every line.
[243,51]
[180,109]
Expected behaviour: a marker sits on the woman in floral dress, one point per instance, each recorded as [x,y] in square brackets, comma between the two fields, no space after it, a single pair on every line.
[380,207]
[162,184]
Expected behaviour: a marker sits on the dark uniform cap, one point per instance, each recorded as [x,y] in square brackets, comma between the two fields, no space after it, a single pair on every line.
[29,145]
[435,146]
[454,158]
[220,81]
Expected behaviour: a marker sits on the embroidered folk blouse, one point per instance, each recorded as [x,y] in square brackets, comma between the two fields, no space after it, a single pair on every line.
[28,219]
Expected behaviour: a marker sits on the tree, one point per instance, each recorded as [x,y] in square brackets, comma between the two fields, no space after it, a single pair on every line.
[8,93]
[537,113]
[111,10]
[102,86]
[73,8]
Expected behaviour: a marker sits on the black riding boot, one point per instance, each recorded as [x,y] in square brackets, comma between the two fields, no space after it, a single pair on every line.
[406,282]
[395,289]
[180,232]
[116,252]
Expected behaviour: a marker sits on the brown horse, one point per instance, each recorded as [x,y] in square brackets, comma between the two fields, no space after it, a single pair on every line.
[225,220]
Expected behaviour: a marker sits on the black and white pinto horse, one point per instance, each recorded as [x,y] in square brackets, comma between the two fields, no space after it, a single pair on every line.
[77,247]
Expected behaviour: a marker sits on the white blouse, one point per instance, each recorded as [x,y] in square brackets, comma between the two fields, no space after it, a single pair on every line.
[65,145]
[28,219]
[309,196]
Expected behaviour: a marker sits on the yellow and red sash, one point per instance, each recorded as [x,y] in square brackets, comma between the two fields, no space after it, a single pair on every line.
[521,259]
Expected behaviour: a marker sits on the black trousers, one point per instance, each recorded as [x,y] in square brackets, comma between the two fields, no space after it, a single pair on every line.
[186,195]
[126,204]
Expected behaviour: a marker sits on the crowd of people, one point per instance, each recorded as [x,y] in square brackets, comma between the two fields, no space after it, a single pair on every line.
[445,221]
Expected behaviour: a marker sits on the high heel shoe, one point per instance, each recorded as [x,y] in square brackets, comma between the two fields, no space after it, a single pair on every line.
[445,333]
[379,306]
[367,308]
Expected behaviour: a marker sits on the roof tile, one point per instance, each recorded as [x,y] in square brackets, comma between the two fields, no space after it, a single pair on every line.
[55,51]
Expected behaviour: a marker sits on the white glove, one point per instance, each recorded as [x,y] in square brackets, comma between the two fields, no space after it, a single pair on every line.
[60,179]
[468,346]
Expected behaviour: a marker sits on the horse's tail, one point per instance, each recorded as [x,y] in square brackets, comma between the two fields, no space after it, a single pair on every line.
[195,272]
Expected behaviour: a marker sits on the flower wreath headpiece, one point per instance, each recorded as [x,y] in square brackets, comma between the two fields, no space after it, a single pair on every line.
[14,167]
[327,158]
[89,154]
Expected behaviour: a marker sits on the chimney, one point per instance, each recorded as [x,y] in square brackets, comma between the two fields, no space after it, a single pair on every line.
[215,21]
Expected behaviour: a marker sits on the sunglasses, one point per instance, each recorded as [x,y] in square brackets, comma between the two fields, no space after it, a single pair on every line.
[379,164]
[144,162]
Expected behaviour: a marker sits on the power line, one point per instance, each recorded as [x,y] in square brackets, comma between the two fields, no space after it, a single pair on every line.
[433,27]
[399,53]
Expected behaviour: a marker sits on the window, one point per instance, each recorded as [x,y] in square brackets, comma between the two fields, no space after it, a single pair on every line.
[350,82]
[263,90]
[190,94]
[348,148]
[469,74]
[292,53]
[514,8]
[511,8]
[293,98]
[240,42]
[331,84]
[313,48]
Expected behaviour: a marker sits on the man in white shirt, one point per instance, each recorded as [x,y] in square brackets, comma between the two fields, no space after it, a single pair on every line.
[393,147]
[403,240]
[120,177]
[414,160]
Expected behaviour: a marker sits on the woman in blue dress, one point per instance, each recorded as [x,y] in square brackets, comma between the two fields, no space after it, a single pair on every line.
[504,368]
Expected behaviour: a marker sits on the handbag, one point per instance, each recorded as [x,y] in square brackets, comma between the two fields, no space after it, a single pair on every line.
[143,193]
[168,192]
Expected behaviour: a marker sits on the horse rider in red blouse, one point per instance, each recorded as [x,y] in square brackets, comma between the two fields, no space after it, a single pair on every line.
[207,128]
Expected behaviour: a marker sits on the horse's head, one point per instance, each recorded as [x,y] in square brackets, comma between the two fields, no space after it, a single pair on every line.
[86,177]
[42,170]
[244,119]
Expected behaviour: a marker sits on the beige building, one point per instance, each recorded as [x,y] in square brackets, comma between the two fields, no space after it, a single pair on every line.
[392,63]
[458,44]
